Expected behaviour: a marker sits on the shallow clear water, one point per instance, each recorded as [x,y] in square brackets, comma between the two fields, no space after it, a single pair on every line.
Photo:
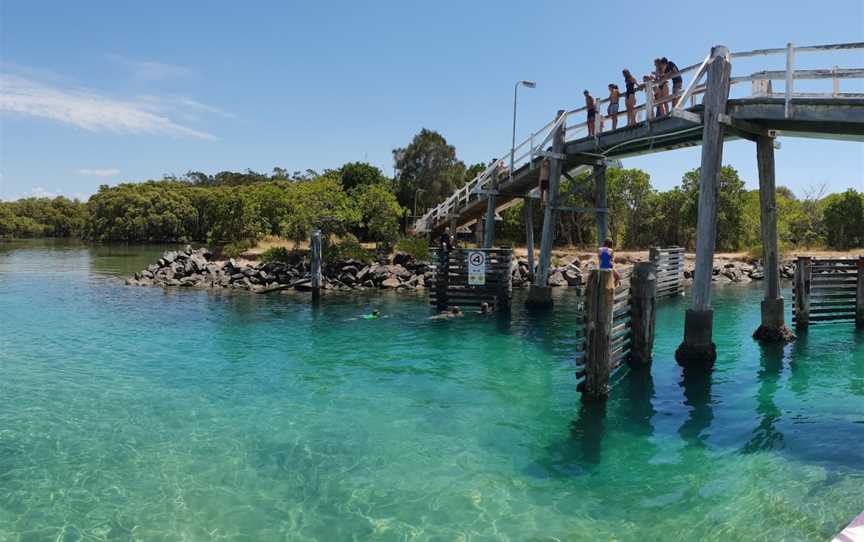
[137,413]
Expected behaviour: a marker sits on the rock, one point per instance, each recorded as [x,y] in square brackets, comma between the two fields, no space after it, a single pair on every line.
[403,259]
[557,279]
[399,271]
[391,282]
[573,277]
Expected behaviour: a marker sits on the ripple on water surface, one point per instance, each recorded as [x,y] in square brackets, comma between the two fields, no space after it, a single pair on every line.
[185,415]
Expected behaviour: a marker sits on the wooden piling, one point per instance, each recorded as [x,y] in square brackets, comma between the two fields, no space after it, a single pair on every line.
[599,303]
[539,295]
[442,278]
[315,246]
[802,292]
[528,208]
[772,327]
[643,303]
[601,189]
[859,295]
[489,231]
[698,346]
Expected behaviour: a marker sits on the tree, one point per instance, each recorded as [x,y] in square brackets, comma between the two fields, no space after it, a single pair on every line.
[628,194]
[322,204]
[430,164]
[356,174]
[730,206]
[844,219]
[379,212]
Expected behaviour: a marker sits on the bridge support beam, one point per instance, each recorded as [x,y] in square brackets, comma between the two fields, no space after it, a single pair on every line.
[698,349]
[540,295]
[528,209]
[773,327]
[478,232]
[601,191]
[489,226]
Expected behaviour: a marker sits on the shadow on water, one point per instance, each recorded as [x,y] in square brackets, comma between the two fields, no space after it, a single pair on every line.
[766,436]
[696,384]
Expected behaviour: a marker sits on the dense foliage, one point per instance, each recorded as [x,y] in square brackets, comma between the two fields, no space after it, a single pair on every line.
[357,202]
[641,216]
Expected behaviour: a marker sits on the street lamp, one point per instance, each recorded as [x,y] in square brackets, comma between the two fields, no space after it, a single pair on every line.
[529,84]
[415,202]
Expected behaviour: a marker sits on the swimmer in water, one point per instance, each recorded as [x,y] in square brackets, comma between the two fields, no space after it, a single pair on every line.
[455,312]
[374,316]
[485,308]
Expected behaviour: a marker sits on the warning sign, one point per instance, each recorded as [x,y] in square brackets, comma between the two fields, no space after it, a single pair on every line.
[476,268]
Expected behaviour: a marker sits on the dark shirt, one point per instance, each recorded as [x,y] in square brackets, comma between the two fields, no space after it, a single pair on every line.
[672,68]
[630,87]
[445,240]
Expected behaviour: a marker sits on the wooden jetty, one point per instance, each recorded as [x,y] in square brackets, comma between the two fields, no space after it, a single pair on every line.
[455,285]
[828,290]
[669,264]
[616,327]
[727,111]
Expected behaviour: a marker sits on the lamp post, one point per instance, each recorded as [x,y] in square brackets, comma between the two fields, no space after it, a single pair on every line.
[415,202]
[529,84]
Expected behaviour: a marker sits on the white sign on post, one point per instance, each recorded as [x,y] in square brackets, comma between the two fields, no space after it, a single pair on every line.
[476,268]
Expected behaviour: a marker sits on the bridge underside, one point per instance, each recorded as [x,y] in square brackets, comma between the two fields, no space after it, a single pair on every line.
[834,118]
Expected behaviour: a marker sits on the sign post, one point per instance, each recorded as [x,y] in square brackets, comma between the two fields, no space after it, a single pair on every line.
[476,268]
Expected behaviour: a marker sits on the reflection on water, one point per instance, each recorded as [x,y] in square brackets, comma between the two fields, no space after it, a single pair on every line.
[177,414]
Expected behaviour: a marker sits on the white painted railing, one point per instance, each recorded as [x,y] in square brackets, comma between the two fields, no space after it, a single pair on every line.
[535,145]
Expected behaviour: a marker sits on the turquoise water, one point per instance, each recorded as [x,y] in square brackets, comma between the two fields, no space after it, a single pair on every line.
[143,414]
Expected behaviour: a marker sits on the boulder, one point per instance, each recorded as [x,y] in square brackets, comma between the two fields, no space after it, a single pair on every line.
[573,277]
[403,259]
[557,279]
[391,282]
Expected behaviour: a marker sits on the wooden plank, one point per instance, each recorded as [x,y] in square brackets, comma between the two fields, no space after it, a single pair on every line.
[598,303]
[859,295]
[801,308]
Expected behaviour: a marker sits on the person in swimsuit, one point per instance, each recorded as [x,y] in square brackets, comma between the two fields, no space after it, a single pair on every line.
[455,312]
[592,112]
[544,181]
[630,88]
[606,255]
[673,73]
[614,97]
[662,86]
[374,316]
[485,308]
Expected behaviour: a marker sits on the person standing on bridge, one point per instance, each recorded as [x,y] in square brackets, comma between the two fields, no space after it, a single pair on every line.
[631,85]
[606,255]
[592,112]
[662,82]
[614,97]
[672,72]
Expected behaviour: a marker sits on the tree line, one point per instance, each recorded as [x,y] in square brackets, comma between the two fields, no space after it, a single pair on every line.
[358,201]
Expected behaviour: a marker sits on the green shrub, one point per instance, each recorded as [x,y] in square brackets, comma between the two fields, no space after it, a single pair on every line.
[348,248]
[278,254]
[417,247]
[237,248]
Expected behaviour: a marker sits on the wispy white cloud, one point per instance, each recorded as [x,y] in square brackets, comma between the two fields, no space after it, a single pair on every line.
[88,109]
[108,172]
[150,70]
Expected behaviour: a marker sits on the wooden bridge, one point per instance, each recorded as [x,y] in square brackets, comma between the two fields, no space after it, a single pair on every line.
[755,112]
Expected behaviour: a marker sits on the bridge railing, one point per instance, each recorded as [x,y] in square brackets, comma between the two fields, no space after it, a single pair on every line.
[537,143]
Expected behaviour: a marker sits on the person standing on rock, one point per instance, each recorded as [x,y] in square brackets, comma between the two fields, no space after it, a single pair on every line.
[445,241]
[606,255]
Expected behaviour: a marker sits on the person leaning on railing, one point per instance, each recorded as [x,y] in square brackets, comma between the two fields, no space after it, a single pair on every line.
[661,90]
[671,71]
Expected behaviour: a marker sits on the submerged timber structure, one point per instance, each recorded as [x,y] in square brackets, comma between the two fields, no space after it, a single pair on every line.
[760,116]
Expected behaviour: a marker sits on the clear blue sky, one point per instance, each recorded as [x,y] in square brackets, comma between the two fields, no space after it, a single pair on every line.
[102,92]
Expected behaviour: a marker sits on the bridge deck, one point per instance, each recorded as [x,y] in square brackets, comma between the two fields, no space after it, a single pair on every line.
[836,118]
